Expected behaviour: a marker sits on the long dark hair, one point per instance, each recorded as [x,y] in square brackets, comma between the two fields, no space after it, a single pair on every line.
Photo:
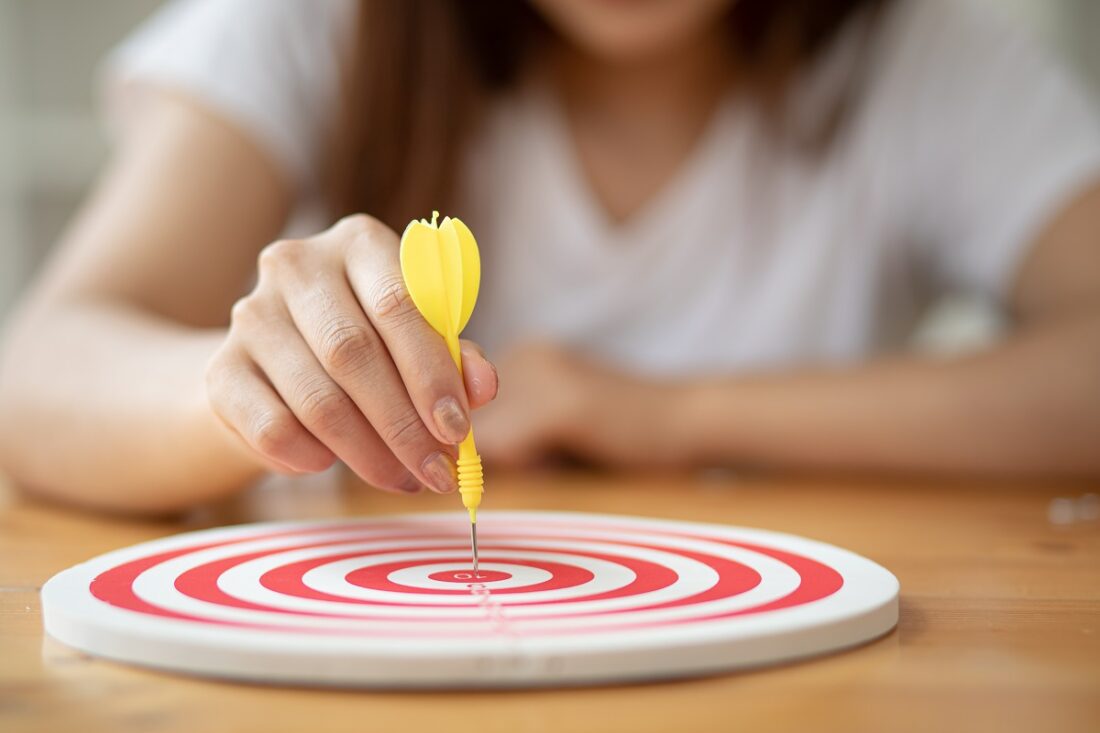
[422,70]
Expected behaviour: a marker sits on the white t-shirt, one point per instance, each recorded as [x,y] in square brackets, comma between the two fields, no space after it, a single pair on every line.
[966,140]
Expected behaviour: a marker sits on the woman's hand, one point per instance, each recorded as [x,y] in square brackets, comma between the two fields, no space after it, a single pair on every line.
[556,402]
[327,358]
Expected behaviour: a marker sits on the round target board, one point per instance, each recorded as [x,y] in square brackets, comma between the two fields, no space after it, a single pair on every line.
[393,602]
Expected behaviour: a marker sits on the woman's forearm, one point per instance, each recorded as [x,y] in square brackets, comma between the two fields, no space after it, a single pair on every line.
[104,406]
[1028,406]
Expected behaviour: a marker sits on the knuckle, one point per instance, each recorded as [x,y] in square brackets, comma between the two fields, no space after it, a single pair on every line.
[246,312]
[363,231]
[346,347]
[243,310]
[389,300]
[250,313]
[325,408]
[274,434]
[353,223]
[402,430]
[282,254]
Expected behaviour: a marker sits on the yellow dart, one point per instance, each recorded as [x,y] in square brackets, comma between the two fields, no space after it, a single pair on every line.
[442,271]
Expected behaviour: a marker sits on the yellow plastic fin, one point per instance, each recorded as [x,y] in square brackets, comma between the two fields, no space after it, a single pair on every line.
[442,270]
[450,255]
[471,270]
[425,277]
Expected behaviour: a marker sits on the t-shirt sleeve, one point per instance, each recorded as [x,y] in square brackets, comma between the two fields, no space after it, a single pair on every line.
[270,67]
[997,135]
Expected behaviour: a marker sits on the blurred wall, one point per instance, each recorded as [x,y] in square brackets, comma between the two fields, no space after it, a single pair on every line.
[50,139]
[51,143]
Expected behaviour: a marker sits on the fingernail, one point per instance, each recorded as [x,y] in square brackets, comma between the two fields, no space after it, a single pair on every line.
[496,380]
[409,484]
[439,468]
[451,420]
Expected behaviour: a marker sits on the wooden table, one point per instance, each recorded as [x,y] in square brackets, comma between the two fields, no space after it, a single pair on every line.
[999,630]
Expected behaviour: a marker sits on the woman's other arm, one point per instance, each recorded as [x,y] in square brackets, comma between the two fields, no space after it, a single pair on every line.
[101,384]
[1029,405]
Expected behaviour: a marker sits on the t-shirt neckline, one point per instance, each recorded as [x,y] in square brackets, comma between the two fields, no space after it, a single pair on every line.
[691,177]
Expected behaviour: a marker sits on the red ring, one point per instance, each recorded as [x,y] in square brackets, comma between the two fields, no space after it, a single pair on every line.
[287,579]
[114,586]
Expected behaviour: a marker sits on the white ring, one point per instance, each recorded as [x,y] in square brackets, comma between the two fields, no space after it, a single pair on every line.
[243,580]
[156,585]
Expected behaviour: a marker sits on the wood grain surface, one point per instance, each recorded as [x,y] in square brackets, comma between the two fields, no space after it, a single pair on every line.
[999,629]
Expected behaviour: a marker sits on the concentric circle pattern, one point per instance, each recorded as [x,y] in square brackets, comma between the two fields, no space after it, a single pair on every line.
[395,602]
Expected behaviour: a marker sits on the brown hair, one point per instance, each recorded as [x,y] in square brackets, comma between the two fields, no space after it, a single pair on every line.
[422,70]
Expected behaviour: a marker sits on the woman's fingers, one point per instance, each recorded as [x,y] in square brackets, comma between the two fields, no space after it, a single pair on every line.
[329,357]
[420,354]
[323,406]
[479,374]
[328,322]
[243,399]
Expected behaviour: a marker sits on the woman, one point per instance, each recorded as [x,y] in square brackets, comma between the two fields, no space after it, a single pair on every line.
[715,219]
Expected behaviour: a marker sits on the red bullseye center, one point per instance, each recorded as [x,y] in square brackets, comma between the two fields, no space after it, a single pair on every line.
[467,576]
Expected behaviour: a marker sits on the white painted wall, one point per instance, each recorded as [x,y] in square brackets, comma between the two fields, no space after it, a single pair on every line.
[50,141]
[13,238]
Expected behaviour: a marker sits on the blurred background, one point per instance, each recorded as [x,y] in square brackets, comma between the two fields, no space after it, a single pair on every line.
[52,142]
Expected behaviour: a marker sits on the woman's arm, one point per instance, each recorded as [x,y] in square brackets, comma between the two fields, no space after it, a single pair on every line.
[1030,405]
[101,385]
[124,389]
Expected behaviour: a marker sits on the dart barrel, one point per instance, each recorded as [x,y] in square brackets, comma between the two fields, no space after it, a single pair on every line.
[470,479]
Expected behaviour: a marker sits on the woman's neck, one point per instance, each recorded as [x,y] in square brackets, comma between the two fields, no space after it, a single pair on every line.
[688,76]
[633,124]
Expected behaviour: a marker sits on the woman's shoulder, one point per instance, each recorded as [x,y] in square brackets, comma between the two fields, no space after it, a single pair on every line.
[936,45]
[271,68]
[985,131]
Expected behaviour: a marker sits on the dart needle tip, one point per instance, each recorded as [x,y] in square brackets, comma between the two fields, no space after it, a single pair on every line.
[473,544]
